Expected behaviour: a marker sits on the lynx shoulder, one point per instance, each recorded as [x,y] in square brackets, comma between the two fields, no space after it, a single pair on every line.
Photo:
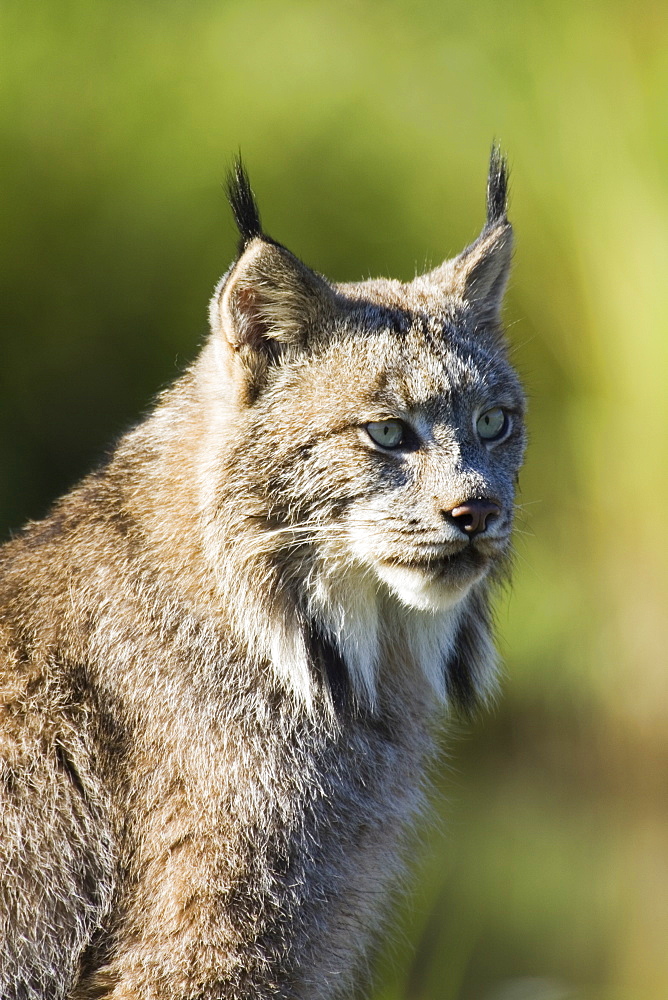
[223,655]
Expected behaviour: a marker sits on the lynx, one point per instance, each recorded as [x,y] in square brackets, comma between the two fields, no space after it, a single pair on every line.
[224,655]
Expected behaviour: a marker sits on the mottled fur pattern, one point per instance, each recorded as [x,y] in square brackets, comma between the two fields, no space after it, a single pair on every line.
[223,655]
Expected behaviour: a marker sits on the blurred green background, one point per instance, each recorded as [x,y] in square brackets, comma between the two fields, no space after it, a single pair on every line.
[366,127]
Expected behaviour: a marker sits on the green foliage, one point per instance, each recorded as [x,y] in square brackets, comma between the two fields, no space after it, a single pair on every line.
[366,129]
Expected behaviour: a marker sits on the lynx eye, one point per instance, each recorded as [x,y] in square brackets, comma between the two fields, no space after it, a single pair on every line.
[492,424]
[386,433]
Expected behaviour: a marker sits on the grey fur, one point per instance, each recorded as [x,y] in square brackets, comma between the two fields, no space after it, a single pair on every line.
[224,654]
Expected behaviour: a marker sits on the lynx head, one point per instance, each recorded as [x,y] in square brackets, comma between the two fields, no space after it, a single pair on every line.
[364,480]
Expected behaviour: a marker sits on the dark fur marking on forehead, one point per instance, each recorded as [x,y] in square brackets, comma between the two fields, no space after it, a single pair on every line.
[435,331]
[423,323]
[399,321]
[377,318]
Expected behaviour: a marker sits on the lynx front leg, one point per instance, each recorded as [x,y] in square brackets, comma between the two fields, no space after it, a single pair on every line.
[56,854]
[182,929]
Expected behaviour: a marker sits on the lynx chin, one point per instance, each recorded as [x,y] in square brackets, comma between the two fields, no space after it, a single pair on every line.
[224,655]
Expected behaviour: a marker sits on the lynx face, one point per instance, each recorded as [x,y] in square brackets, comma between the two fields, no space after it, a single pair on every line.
[378,434]
[376,441]
[429,400]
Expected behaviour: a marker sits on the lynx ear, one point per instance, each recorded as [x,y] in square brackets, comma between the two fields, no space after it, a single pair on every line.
[479,274]
[269,299]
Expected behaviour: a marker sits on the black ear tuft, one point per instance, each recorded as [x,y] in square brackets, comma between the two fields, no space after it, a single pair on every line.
[244,206]
[497,187]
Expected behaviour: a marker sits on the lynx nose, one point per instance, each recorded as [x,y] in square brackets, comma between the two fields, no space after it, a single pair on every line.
[472,516]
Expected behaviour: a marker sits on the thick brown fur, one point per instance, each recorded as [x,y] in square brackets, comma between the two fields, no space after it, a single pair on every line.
[223,655]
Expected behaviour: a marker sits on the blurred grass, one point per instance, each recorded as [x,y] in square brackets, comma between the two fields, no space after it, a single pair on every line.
[366,128]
